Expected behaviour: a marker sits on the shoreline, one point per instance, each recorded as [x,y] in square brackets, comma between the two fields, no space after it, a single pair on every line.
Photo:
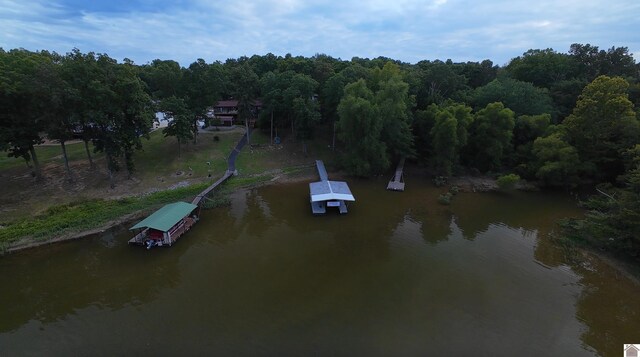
[307,173]
[31,243]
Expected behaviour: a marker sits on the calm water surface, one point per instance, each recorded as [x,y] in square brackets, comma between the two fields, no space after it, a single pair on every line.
[399,275]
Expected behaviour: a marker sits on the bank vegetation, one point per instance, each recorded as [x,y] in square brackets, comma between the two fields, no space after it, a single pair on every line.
[566,121]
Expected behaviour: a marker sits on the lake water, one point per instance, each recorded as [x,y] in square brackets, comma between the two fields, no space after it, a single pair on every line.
[398,275]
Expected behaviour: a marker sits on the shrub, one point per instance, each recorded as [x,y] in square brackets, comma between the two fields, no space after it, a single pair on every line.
[508,182]
[440,181]
[445,198]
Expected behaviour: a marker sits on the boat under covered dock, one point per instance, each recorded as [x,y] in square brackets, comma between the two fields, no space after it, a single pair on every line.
[165,226]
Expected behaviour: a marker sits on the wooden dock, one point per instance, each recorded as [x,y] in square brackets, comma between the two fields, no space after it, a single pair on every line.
[203,194]
[397,181]
[322,171]
[231,169]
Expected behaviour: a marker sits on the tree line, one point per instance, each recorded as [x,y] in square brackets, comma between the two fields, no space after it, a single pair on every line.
[564,119]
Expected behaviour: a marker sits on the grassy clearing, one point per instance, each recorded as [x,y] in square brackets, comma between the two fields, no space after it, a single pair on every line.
[49,154]
[89,214]
[160,155]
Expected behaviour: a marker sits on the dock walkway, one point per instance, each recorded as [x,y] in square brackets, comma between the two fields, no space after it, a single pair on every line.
[322,172]
[397,181]
[231,169]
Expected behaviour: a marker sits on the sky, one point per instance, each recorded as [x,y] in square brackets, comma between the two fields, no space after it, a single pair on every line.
[407,30]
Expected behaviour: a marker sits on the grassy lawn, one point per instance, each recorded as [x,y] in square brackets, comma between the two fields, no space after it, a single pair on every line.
[49,154]
[57,207]
[160,155]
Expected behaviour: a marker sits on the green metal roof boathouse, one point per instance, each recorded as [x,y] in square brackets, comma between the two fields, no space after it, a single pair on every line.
[166,225]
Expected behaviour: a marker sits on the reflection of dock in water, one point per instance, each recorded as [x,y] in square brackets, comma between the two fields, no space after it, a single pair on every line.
[397,181]
[325,193]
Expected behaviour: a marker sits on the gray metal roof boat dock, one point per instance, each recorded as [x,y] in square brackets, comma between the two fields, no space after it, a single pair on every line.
[326,193]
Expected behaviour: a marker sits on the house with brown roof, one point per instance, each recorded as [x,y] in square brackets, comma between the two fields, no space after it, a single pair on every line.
[226,112]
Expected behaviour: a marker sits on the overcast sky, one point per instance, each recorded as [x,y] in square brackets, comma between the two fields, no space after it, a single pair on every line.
[408,30]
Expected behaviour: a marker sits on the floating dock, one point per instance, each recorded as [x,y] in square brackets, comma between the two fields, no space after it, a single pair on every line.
[166,225]
[397,181]
[326,193]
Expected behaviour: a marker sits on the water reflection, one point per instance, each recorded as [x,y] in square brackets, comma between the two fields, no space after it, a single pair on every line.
[50,283]
[399,275]
[609,305]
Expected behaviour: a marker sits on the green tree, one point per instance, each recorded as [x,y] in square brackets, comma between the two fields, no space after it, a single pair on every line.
[542,68]
[121,115]
[526,130]
[201,87]
[508,182]
[56,94]
[521,97]
[136,112]
[603,125]
[437,82]
[307,114]
[246,86]
[490,137]
[394,105]
[180,124]
[479,74]
[613,218]
[300,88]
[445,142]
[593,62]
[449,135]
[359,128]
[422,126]
[86,91]
[23,98]
[333,88]
[557,162]
[163,78]
[272,99]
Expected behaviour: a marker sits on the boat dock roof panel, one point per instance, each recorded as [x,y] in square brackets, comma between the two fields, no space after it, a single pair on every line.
[166,217]
[330,190]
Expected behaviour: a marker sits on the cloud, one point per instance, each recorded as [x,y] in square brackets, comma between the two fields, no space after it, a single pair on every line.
[408,30]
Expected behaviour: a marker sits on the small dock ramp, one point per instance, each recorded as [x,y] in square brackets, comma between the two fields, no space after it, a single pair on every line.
[397,181]
[322,172]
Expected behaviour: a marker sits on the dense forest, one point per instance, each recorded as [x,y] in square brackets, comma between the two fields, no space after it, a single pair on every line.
[564,120]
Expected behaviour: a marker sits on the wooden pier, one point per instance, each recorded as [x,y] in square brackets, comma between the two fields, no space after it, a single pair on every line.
[397,181]
[231,169]
[196,201]
[322,171]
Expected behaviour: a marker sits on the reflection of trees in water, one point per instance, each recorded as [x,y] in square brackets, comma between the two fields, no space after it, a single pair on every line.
[534,212]
[47,284]
[258,214]
[435,225]
[608,305]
